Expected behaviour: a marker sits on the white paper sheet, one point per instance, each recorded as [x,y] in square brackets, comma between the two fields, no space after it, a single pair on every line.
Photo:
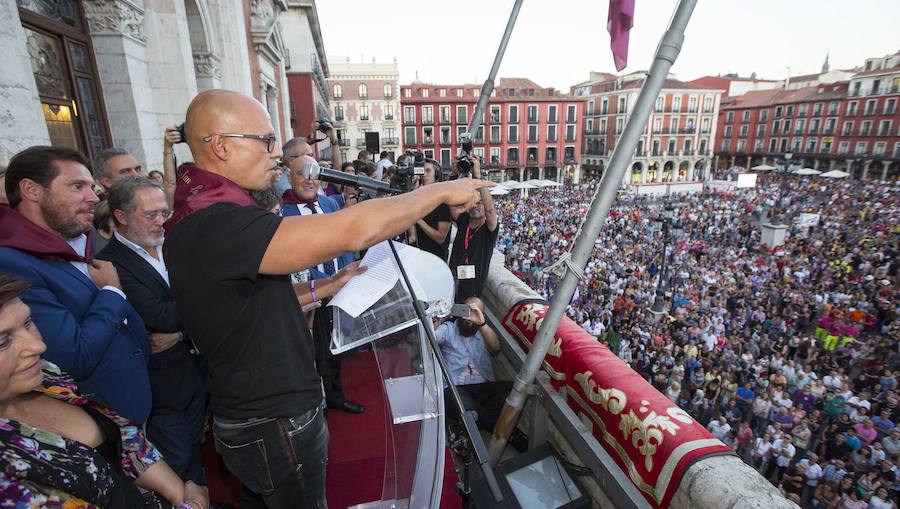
[364,290]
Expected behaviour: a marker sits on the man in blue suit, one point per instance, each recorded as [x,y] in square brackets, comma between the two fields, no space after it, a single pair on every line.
[303,198]
[90,329]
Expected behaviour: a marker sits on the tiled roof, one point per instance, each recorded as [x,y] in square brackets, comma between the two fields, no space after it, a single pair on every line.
[874,72]
[761,98]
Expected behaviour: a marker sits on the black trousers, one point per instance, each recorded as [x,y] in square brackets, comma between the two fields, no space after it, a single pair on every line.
[328,364]
[486,399]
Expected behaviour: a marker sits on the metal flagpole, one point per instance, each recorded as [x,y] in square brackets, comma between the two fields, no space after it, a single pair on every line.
[488,87]
[666,53]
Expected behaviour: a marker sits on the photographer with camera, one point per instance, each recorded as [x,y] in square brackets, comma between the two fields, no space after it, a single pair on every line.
[257,348]
[172,136]
[476,235]
[432,232]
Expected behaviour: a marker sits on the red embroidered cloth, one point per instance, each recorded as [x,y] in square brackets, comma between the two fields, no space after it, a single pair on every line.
[651,439]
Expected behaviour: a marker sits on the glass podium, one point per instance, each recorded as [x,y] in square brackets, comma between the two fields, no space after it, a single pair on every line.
[411,380]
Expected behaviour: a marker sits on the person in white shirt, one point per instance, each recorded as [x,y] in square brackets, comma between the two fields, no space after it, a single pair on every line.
[813,473]
[719,428]
[783,451]
[383,164]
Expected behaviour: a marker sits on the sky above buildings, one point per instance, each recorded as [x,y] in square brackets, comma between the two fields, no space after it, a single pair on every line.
[557,42]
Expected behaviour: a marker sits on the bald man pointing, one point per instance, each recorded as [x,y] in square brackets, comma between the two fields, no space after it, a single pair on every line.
[229,266]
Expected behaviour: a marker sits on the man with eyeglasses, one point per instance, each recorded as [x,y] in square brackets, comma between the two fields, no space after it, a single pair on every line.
[175,426]
[258,354]
[77,302]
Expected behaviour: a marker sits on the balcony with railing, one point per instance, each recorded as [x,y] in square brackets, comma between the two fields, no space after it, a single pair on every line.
[360,142]
[550,161]
[388,116]
[409,121]
[703,152]
[444,120]
[656,152]
[342,142]
[825,150]
[864,132]
[884,131]
[428,140]
[828,130]
[531,161]
[391,141]
[512,162]
[869,111]
[428,120]
[532,119]
[688,152]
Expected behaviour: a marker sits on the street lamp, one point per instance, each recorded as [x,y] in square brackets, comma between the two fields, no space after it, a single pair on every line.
[671,229]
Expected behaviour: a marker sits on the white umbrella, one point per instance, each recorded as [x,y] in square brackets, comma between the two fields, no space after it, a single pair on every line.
[520,185]
[763,167]
[550,183]
[806,171]
[498,191]
[835,174]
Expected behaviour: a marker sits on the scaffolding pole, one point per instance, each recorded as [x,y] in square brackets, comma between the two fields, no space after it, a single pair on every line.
[666,53]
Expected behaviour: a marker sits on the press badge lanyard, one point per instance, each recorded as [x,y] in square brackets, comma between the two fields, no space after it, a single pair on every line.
[469,235]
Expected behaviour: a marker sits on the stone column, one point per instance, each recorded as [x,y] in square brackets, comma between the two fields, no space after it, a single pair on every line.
[21,121]
[884,172]
[521,174]
[643,174]
[117,32]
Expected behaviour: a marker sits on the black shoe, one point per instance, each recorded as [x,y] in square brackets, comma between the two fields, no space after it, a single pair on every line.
[351,407]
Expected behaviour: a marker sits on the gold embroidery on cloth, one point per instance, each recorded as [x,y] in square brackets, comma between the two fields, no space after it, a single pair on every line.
[611,400]
[647,433]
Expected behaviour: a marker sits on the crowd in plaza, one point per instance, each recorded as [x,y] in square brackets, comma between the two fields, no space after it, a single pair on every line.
[788,355]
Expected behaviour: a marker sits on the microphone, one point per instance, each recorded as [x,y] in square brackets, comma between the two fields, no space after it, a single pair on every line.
[312,171]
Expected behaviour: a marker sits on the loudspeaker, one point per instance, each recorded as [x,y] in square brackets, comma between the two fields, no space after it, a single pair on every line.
[372,143]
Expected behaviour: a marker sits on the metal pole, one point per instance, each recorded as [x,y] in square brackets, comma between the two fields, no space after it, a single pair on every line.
[666,53]
[488,87]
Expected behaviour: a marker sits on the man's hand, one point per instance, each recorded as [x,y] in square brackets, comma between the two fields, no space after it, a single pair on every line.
[171,137]
[103,273]
[462,192]
[195,495]
[347,273]
[475,315]
[476,166]
[312,306]
[162,341]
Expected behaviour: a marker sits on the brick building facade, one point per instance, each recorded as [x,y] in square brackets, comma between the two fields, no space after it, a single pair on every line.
[851,125]
[676,145]
[529,132]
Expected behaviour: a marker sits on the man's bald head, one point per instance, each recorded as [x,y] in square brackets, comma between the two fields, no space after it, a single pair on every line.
[242,160]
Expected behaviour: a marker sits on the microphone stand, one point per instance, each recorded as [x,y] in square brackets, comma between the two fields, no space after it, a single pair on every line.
[468,416]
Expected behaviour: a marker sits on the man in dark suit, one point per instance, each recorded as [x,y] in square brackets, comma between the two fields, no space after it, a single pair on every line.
[139,208]
[303,198]
[90,329]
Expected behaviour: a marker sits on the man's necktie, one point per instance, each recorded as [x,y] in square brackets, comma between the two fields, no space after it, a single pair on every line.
[330,264]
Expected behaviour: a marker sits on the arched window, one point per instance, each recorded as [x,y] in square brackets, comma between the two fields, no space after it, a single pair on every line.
[338,91]
[388,91]
[363,91]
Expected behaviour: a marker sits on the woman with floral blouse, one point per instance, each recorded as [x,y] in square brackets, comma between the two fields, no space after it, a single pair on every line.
[61,450]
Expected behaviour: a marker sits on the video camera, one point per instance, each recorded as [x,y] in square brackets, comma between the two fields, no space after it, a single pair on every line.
[402,180]
[464,161]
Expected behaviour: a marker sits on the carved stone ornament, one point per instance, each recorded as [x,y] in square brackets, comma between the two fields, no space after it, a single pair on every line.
[207,65]
[115,17]
[261,12]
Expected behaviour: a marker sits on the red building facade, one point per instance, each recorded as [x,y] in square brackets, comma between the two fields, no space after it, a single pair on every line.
[853,126]
[529,132]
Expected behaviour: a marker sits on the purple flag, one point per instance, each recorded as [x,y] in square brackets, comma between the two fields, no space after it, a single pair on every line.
[619,22]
